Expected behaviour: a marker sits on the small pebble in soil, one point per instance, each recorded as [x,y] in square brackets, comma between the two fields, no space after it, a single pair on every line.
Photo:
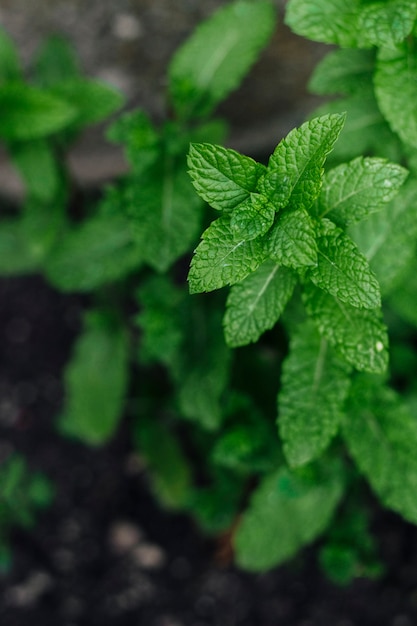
[124,536]
[127,27]
[9,412]
[27,593]
[149,556]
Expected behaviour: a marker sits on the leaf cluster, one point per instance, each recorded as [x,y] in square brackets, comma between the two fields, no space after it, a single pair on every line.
[261,409]
[22,494]
[126,252]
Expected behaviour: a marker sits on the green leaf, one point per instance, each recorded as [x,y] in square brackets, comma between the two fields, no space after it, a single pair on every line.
[402,298]
[344,72]
[381,436]
[329,22]
[216,506]
[359,335]
[315,383]
[22,492]
[42,223]
[204,366]
[140,138]
[292,241]
[29,113]
[164,212]
[365,131]
[249,444]
[222,177]
[287,511]
[92,100]
[10,69]
[160,320]
[255,304]
[221,260]
[38,167]
[55,59]
[386,23]
[214,60]
[97,252]
[15,253]
[237,449]
[96,381]
[396,90]
[252,218]
[213,131]
[357,189]
[342,270]
[388,238]
[295,168]
[169,471]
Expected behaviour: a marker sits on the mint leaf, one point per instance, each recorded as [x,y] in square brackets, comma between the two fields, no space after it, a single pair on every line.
[200,394]
[15,252]
[248,444]
[365,131]
[402,298]
[396,90]
[160,320]
[359,335]
[165,213]
[204,365]
[387,23]
[387,238]
[222,177]
[140,139]
[29,113]
[255,304]
[42,224]
[169,472]
[342,270]
[36,163]
[92,100]
[252,218]
[97,252]
[315,384]
[381,436]
[329,22]
[221,260]
[292,241]
[295,168]
[357,189]
[214,60]
[344,72]
[216,506]
[54,61]
[291,510]
[95,381]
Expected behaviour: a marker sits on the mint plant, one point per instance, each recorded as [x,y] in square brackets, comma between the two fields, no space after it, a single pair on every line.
[268,399]
[41,117]
[322,240]
[283,233]
[132,245]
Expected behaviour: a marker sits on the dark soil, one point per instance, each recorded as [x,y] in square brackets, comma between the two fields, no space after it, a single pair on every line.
[105,554]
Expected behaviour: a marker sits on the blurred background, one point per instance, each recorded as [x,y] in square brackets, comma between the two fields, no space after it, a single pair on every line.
[128,44]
